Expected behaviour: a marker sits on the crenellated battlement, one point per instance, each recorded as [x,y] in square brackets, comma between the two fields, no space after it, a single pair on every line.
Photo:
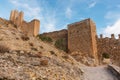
[16,17]
[30,28]
[112,36]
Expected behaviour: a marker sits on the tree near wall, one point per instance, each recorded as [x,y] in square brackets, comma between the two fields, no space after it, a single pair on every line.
[61,44]
[45,38]
[105,55]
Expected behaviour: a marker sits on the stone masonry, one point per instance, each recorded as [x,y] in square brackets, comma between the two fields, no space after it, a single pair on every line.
[82,37]
[55,35]
[29,28]
[110,46]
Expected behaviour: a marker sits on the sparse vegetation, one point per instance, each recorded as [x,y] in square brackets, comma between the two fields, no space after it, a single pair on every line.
[24,38]
[44,62]
[61,44]
[105,55]
[41,47]
[65,57]
[45,38]
[4,49]
[35,49]
[17,38]
[4,78]
[53,53]
[31,44]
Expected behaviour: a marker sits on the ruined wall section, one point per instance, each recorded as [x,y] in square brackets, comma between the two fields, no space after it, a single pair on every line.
[29,28]
[16,17]
[81,37]
[35,24]
[110,46]
[57,34]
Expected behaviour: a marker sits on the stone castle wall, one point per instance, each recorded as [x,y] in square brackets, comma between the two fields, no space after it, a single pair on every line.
[110,46]
[82,37]
[29,28]
[57,34]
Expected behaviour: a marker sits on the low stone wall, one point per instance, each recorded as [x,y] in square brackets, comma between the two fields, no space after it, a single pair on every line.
[115,70]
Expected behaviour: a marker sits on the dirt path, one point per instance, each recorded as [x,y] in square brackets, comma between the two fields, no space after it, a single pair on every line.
[98,73]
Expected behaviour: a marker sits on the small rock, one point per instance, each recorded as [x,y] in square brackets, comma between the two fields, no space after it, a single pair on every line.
[14,52]
[22,52]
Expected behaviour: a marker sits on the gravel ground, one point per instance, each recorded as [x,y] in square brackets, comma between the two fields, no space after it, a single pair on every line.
[97,73]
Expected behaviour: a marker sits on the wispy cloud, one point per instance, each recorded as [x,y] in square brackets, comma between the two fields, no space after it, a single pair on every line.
[68,12]
[30,10]
[33,10]
[112,15]
[92,4]
[49,22]
[110,29]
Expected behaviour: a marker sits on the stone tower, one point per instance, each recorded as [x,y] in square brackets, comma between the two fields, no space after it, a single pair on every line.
[16,17]
[28,28]
[35,23]
[82,37]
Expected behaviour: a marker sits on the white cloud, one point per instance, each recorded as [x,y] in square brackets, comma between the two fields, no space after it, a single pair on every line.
[68,12]
[110,29]
[91,5]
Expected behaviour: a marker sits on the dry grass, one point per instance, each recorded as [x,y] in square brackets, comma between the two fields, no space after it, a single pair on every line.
[31,44]
[24,38]
[44,62]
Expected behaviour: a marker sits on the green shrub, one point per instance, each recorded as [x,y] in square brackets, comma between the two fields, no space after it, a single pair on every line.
[45,38]
[61,44]
[105,55]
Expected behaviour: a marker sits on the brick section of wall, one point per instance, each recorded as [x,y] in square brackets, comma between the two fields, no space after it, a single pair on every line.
[82,37]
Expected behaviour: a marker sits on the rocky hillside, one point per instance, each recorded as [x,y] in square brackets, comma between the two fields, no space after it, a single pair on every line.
[24,57]
[28,58]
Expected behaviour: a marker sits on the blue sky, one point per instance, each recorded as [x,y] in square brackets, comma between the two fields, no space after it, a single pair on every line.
[56,14]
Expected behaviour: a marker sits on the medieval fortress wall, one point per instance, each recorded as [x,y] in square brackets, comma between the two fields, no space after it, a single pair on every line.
[82,32]
[80,36]
[57,34]
[110,46]
[29,28]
